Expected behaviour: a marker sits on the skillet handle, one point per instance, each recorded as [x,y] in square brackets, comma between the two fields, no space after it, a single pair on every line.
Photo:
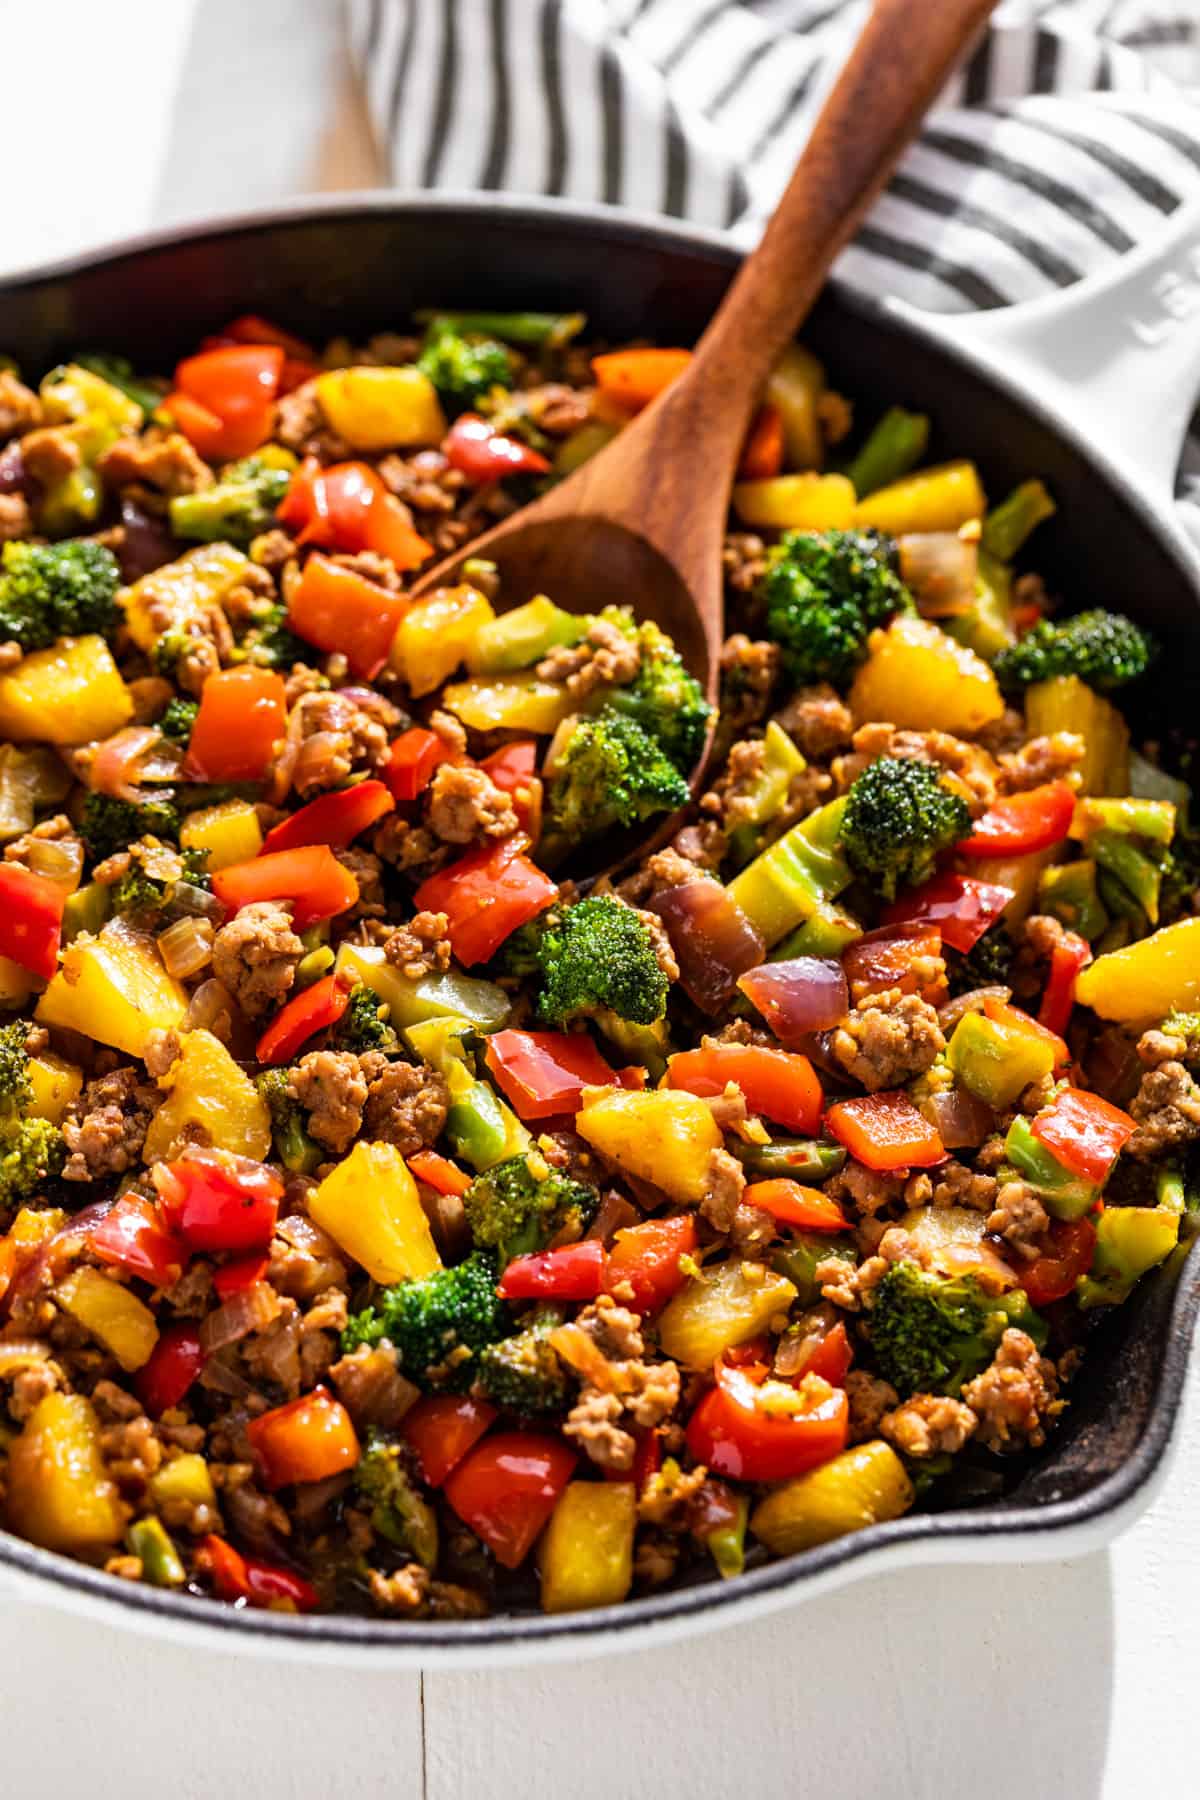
[1116,357]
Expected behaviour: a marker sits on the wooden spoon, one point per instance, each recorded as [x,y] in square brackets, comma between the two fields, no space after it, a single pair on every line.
[642,522]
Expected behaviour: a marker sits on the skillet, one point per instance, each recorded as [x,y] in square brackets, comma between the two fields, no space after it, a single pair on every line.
[1091,390]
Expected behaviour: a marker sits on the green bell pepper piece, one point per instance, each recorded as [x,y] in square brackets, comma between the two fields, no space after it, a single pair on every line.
[1008,525]
[161,1567]
[798,1259]
[727,1545]
[85,910]
[550,329]
[790,879]
[1068,892]
[520,638]
[987,628]
[996,1061]
[1129,1241]
[895,446]
[1128,816]
[478,1122]
[1064,1195]
[1136,872]
[827,933]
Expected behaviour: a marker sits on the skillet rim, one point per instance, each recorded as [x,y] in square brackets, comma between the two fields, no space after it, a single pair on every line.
[932,1536]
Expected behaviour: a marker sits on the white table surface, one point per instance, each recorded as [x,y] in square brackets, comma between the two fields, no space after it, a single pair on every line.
[1065,1679]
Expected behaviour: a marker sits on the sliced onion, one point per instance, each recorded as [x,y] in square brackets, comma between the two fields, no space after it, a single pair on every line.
[963,1120]
[116,767]
[196,902]
[713,940]
[941,569]
[807,994]
[186,947]
[146,542]
[221,1377]
[210,1009]
[241,1314]
[59,860]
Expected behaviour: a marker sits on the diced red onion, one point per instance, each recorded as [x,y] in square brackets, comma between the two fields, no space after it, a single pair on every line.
[147,544]
[963,1120]
[116,768]
[806,994]
[241,1314]
[713,940]
[941,569]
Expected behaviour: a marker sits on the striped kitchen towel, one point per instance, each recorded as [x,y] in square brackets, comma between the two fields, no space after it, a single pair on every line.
[1070,134]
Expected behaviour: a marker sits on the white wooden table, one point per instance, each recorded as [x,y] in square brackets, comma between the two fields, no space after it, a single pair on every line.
[1063,1680]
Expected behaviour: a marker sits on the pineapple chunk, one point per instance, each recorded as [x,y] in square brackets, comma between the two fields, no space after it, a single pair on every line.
[59,1495]
[68,694]
[114,988]
[665,1136]
[206,1088]
[370,1208]
[918,678]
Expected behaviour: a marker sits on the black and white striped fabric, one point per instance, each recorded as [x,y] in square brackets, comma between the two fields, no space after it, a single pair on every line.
[1070,135]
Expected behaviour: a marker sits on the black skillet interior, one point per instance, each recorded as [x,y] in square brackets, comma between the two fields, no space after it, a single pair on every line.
[351,267]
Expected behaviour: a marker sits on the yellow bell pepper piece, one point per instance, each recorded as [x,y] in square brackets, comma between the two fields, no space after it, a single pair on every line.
[807,502]
[720,1308]
[72,392]
[587,1553]
[112,1313]
[178,595]
[370,1207]
[16,984]
[665,1136]
[917,677]
[381,408]
[861,1486]
[794,387]
[230,833]
[68,694]
[114,988]
[451,994]
[206,1088]
[1157,975]
[1065,703]
[435,634]
[30,1229]
[509,703]
[185,1480]
[936,499]
[59,1495]
[55,1084]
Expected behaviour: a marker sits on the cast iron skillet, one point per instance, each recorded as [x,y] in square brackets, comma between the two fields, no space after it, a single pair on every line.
[361,263]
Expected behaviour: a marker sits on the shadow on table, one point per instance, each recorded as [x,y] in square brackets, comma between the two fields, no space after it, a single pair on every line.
[915,1686]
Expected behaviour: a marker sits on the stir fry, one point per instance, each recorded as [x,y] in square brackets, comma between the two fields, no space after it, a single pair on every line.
[392,1221]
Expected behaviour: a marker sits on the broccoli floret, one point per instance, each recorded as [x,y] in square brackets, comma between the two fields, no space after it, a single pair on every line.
[930,1333]
[522,1373]
[119,373]
[516,1207]
[236,508]
[598,956]
[15,1090]
[360,1026]
[462,366]
[665,700]
[109,825]
[49,591]
[178,720]
[987,965]
[293,1146]
[398,1511]
[437,1324]
[31,1150]
[824,592]
[610,773]
[1105,649]
[270,641]
[899,814]
[136,893]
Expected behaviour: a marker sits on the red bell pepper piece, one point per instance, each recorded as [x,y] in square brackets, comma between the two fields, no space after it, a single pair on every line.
[808,1209]
[412,760]
[174,1364]
[242,717]
[217,1201]
[894,958]
[486,896]
[1004,1014]
[632,378]
[134,1238]
[1020,823]
[31,911]
[482,454]
[348,507]
[311,877]
[237,386]
[1066,959]
[762,452]
[202,428]
[827,1353]
[315,1009]
[885,1131]
[337,609]
[237,1577]
[1084,1132]
[643,1265]
[776,1083]
[507,1487]
[513,769]
[308,1439]
[1054,1274]
[576,1272]
[438,1172]
[333,819]
[961,907]
[442,1429]
[299,359]
[542,1073]
[732,1434]
[242,1273]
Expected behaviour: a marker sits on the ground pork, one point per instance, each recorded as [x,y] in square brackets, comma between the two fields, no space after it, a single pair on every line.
[664,870]
[255,957]
[929,1425]
[868,1399]
[956,1185]
[406,1103]
[466,806]
[371,1387]
[20,408]
[421,947]
[301,425]
[408,847]
[1037,939]
[16,521]
[330,1085]
[888,1039]
[667,1495]
[867,1191]
[106,1126]
[664,956]
[50,453]
[1020,1219]
[749,671]
[724,1185]
[1167,1109]
[1154,1048]
[128,1443]
[342,732]
[165,461]
[817,720]
[424,481]
[1015,1397]
[743,561]
[607,657]
[752,1229]
[413,1593]
[973,767]
[1053,758]
[256,1519]
[619,1391]
[734,800]
[852,1288]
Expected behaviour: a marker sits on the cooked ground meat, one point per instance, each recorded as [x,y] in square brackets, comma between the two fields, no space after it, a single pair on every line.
[341,733]
[1042,759]
[1167,1109]
[20,408]
[1015,1398]
[106,1126]
[973,768]
[607,657]
[164,461]
[929,1425]
[1036,941]
[887,1039]
[667,1495]
[330,1085]
[869,1399]
[50,453]
[412,1593]
[749,671]
[412,849]
[372,1387]
[367,871]
[724,1186]
[1020,1219]
[956,1185]
[465,805]
[818,720]
[421,947]
[256,955]
[16,521]
[743,559]
[406,1103]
